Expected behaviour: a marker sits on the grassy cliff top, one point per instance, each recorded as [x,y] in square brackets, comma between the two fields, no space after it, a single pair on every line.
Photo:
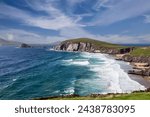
[131,96]
[141,51]
[96,43]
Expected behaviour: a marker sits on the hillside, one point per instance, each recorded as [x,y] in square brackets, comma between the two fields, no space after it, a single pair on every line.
[96,43]
[91,45]
[141,51]
[7,42]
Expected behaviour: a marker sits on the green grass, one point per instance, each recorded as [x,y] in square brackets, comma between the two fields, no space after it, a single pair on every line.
[141,51]
[96,43]
[131,96]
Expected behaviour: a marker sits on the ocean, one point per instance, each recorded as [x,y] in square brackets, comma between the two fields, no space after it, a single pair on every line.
[28,73]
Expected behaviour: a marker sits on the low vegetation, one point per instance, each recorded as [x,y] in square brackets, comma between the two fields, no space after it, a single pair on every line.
[141,51]
[132,96]
[96,43]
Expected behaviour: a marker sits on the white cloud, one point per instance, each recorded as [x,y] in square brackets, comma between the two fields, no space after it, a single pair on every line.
[54,20]
[74,2]
[101,3]
[147,18]
[70,33]
[10,36]
[76,32]
[21,36]
[68,26]
[122,10]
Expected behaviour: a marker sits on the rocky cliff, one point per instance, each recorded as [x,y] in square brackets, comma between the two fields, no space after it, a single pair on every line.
[137,59]
[90,47]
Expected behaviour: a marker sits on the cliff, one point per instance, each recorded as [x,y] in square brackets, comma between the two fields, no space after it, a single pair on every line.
[137,59]
[90,45]
[129,54]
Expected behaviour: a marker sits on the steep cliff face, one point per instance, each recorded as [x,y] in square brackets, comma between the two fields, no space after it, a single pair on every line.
[69,46]
[84,47]
[90,47]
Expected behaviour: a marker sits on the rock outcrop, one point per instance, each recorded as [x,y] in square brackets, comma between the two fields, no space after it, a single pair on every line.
[143,70]
[23,45]
[140,72]
[137,59]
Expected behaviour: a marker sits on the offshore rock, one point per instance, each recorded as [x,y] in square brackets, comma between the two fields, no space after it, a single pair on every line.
[23,45]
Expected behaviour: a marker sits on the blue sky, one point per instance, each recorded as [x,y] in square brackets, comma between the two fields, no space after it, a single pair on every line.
[46,21]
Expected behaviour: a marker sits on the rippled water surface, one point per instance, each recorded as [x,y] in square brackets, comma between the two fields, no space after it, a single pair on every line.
[32,72]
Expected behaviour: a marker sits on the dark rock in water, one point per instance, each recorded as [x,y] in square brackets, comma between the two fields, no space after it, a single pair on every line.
[23,45]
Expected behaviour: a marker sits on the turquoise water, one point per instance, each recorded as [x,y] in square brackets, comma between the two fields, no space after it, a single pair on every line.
[36,72]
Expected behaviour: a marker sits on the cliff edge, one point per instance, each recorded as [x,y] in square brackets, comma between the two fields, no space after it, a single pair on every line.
[90,45]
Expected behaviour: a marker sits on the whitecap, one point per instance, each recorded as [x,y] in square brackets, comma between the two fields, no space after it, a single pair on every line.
[14,80]
[69,90]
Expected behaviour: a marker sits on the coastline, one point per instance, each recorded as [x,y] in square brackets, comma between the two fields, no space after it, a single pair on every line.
[138,78]
[126,67]
[143,81]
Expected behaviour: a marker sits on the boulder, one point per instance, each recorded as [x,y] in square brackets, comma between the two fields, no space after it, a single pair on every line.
[127,58]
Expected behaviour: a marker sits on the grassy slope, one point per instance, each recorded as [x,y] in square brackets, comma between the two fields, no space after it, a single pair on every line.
[141,51]
[132,96]
[96,43]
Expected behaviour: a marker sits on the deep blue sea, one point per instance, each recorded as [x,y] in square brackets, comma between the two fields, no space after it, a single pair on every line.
[27,73]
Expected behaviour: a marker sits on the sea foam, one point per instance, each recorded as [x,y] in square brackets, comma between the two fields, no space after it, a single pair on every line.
[114,76]
[108,75]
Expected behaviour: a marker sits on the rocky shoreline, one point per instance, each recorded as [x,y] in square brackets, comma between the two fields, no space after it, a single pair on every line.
[141,64]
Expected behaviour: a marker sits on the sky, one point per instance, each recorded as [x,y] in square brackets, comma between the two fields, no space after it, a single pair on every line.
[48,21]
